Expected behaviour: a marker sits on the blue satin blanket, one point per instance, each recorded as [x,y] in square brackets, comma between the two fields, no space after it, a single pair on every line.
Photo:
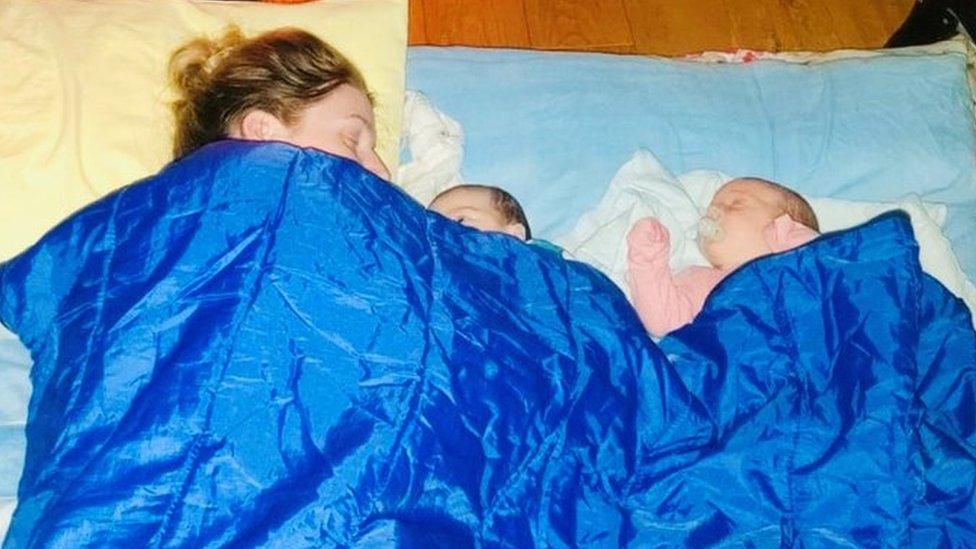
[264,345]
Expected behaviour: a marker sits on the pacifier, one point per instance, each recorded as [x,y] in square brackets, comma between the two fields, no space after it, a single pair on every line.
[708,225]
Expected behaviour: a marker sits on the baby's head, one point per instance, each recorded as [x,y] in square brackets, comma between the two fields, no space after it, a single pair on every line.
[732,229]
[484,208]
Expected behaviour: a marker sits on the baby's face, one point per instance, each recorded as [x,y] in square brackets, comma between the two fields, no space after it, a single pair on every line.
[741,209]
[476,208]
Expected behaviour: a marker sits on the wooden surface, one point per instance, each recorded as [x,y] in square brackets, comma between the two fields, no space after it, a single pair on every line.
[661,27]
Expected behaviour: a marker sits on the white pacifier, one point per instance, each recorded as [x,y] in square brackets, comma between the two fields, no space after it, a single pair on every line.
[708,225]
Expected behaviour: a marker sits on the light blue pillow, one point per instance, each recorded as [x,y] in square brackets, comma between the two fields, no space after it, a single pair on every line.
[960,229]
[552,128]
[15,391]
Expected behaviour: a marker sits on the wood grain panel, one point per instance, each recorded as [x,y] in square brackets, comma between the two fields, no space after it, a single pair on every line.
[860,24]
[671,28]
[662,27]
[893,12]
[813,26]
[578,24]
[499,23]
[752,27]
[418,28]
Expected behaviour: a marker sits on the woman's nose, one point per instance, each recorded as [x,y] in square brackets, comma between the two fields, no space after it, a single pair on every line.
[372,162]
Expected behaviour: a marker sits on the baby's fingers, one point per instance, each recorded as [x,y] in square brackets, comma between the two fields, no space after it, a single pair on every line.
[650,230]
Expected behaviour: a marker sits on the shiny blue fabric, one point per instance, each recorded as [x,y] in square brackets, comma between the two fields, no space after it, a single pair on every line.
[264,345]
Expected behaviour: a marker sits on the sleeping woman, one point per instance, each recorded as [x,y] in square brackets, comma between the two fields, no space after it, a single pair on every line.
[284,85]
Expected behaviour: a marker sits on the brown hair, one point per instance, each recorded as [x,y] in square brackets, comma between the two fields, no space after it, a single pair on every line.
[510,208]
[794,205]
[279,72]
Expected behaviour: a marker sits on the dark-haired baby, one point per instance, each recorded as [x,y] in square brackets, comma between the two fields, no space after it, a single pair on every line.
[490,209]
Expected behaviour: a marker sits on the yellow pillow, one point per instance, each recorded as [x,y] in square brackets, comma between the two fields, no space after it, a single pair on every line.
[84,101]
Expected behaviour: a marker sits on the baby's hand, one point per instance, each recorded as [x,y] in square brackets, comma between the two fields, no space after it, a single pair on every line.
[648,241]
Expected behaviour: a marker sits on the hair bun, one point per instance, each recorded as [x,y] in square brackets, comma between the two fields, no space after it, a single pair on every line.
[192,65]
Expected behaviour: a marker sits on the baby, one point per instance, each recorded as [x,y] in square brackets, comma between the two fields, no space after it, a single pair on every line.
[747,218]
[484,208]
[489,209]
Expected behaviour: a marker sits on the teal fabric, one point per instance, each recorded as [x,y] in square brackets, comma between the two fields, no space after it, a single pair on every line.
[546,245]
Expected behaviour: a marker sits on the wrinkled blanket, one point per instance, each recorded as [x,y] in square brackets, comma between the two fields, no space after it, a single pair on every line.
[264,345]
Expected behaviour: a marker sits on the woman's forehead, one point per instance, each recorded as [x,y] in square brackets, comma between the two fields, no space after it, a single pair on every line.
[344,102]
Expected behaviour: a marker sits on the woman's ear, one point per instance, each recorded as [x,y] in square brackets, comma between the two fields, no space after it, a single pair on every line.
[515,229]
[258,125]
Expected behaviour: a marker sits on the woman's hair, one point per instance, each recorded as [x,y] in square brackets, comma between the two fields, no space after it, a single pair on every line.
[279,72]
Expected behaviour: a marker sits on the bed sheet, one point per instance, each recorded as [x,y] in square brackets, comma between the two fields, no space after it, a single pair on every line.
[15,393]
[553,127]
[434,152]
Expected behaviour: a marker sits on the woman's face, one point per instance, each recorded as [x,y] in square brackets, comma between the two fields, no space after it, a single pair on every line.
[340,123]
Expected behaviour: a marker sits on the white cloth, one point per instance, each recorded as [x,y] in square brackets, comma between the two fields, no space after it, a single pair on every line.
[436,146]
